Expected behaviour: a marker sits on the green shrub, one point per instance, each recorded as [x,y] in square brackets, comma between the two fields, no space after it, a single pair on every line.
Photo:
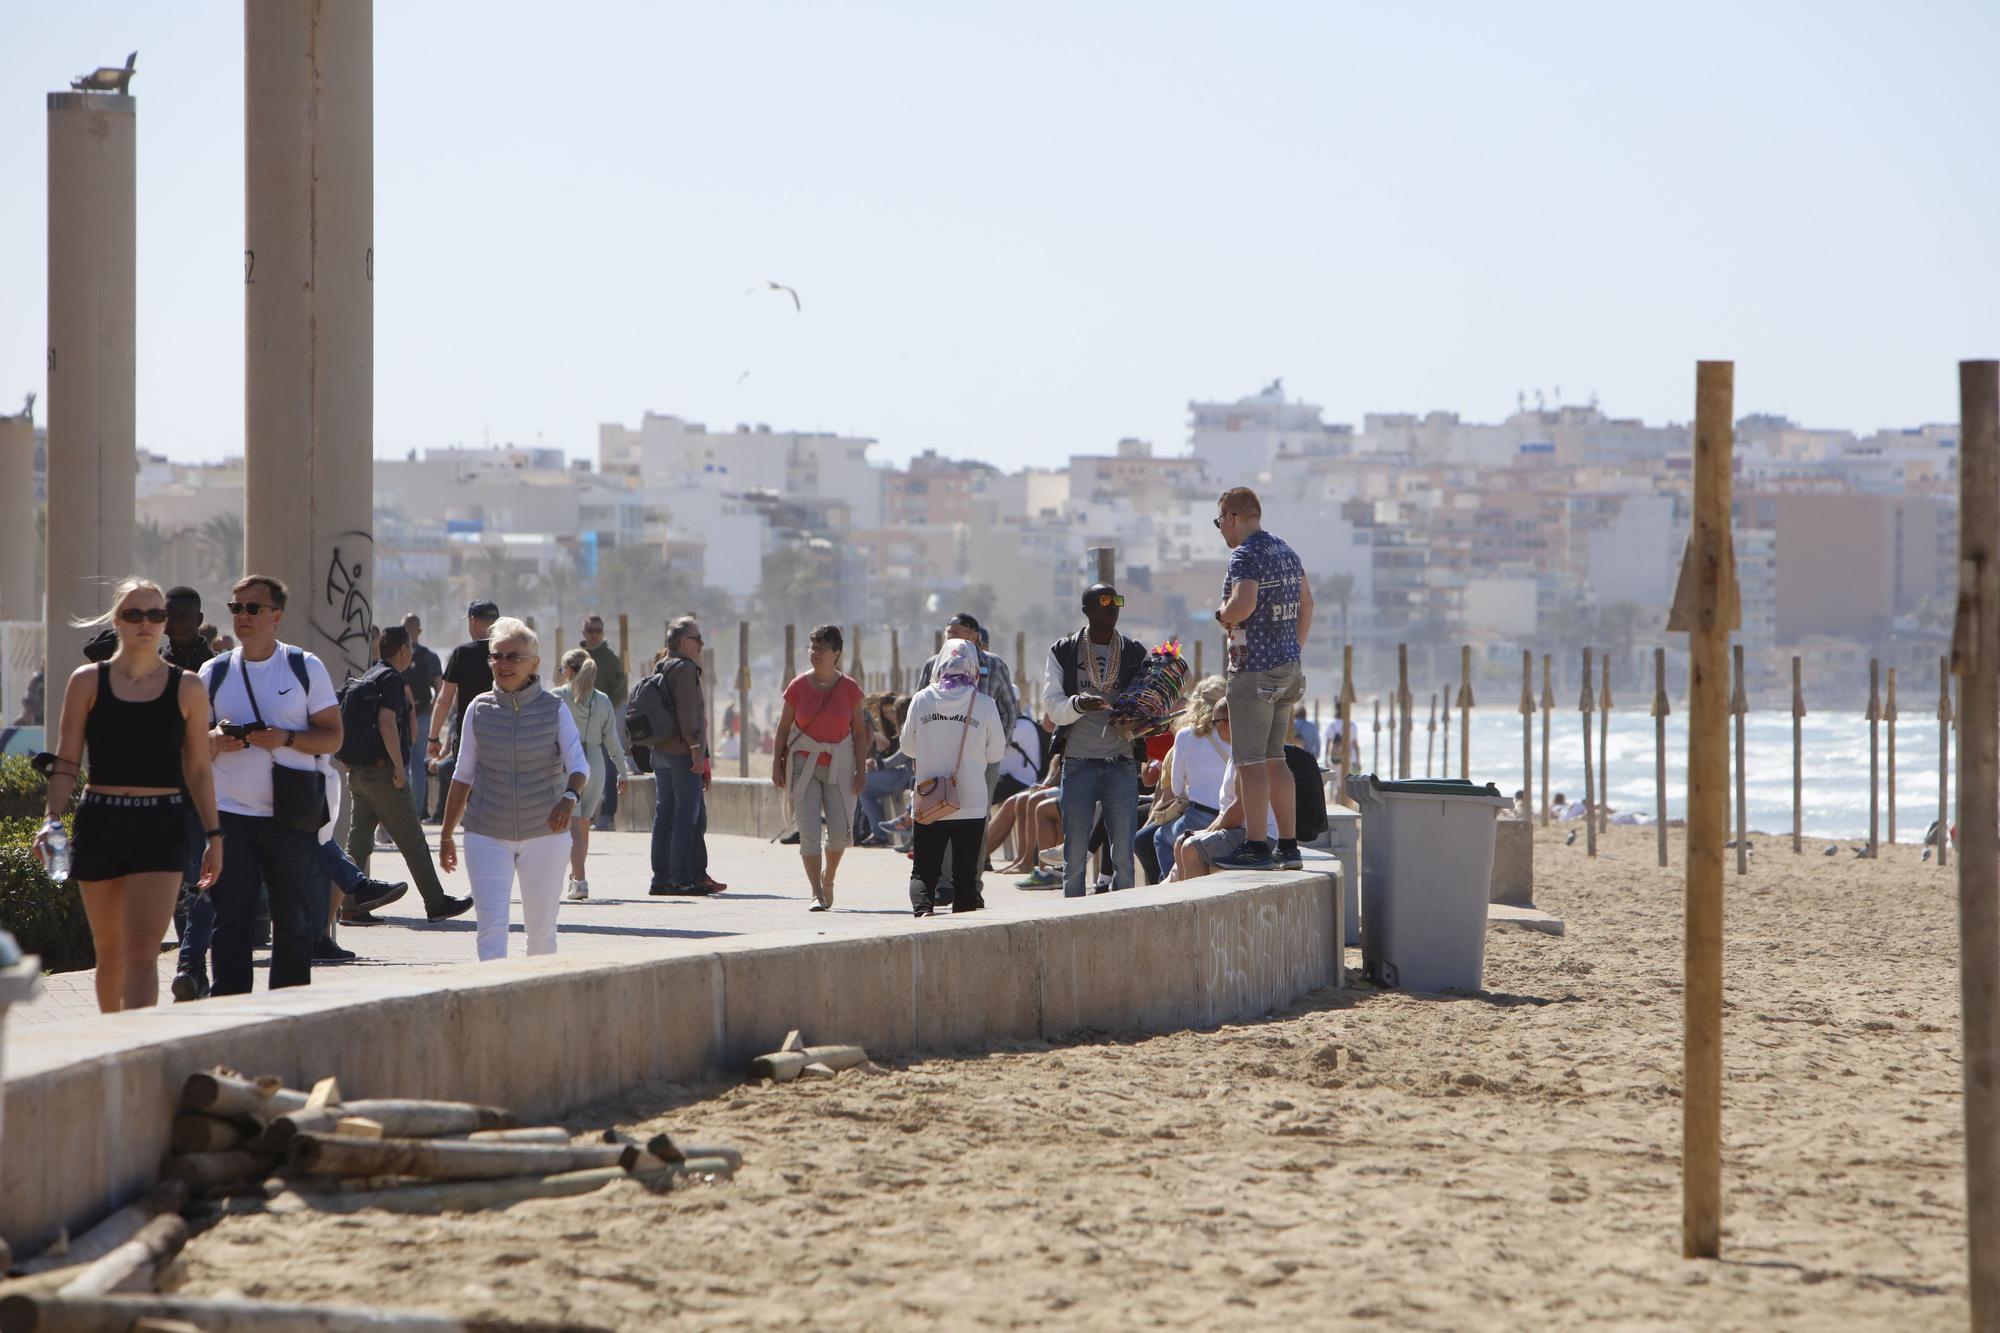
[22,789]
[44,917]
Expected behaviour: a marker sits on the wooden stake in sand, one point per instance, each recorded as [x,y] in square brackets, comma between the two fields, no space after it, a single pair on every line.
[1889,724]
[1585,706]
[1377,765]
[1661,708]
[1944,761]
[1403,702]
[1874,715]
[791,653]
[1798,759]
[1548,709]
[1431,734]
[1604,742]
[1975,655]
[1465,712]
[1444,750]
[625,643]
[1707,609]
[1739,707]
[743,695]
[1198,670]
[1344,711]
[1527,711]
[895,659]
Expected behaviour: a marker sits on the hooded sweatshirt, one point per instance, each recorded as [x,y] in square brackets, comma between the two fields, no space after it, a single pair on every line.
[938,721]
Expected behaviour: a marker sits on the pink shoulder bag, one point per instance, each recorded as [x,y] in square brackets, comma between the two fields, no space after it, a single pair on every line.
[937,798]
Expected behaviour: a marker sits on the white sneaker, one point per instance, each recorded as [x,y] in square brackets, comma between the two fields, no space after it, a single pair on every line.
[576,891]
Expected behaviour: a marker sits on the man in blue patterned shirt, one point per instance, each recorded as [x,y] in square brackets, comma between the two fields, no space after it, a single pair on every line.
[1267,610]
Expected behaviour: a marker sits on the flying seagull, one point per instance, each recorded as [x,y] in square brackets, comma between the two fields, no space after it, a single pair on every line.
[770,286]
[744,376]
[107,78]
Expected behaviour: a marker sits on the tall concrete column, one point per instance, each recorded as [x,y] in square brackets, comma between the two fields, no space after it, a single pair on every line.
[309,214]
[20,599]
[93,267]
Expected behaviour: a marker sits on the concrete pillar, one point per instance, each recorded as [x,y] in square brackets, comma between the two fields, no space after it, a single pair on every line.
[93,265]
[309,317]
[20,599]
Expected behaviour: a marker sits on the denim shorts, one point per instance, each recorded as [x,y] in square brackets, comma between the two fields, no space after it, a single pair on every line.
[1260,712]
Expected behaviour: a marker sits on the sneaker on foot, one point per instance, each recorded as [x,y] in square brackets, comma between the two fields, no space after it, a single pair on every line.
[326,951]
[350,917]
[1288,857]
[576,891]
[1041,878]
[451,907]
[370,894]
[710,884]
[1250,856]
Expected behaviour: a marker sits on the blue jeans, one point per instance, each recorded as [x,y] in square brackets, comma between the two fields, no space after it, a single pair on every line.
[257,851]
[1192,820]
[879,785]
[418,776]
[680,819]
[1087,785]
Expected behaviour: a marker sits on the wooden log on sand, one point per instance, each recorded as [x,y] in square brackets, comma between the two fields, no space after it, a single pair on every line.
[214,1314]
[224,1092]
[133,1263]
[216,1170]
[467,1196]
[533,1134]
[784,1066]
[443,1159]
[194,1132]
[400,1118]
[169,1196]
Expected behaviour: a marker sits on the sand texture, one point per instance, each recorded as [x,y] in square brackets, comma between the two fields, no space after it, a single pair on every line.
[1361,1159]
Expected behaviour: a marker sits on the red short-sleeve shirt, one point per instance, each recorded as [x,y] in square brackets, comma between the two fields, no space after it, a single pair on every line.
[826,716]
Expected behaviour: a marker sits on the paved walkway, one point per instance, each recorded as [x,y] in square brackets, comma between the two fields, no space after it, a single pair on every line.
[767,892]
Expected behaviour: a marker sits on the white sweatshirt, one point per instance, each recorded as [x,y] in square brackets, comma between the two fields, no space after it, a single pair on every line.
[932,736]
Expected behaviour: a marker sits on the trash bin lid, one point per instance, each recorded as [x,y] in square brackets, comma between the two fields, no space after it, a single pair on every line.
[1446,787]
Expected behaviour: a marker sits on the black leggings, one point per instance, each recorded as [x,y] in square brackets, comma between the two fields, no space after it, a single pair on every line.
[966,840]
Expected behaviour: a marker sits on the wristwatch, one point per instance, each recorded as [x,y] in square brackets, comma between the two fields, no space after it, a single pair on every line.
[290,736]
[569,794]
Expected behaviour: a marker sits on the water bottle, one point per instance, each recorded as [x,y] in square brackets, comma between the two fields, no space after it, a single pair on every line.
[55,851]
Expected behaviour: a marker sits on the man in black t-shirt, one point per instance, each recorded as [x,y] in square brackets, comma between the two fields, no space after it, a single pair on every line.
[421,678]
[381,791]
[467,675]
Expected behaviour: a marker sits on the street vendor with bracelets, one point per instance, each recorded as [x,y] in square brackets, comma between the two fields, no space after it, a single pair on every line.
[1084,674]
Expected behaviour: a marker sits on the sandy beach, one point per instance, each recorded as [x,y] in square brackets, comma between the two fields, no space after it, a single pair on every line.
[1361,1158]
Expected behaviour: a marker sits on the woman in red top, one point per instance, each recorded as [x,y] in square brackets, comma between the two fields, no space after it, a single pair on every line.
[821,758]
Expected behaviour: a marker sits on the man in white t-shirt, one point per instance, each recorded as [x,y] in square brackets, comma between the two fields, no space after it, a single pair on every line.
[272,707]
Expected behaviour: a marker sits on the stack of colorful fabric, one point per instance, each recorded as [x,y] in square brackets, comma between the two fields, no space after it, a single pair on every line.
[1157,695]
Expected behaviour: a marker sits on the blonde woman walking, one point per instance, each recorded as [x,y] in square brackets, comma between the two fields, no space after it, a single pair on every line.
[593,713]
[520,774]
[820,759]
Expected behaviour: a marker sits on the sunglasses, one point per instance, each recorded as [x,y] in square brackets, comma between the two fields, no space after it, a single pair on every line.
[1105,599]
[508,658]
[132,615]
[246,608]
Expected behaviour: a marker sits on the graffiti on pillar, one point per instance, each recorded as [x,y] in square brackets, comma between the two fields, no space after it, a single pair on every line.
[343,615]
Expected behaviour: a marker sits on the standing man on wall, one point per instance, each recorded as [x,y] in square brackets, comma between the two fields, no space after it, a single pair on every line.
[1085,672]
[467,675]
[1267,610]
[421,678]
[611,680]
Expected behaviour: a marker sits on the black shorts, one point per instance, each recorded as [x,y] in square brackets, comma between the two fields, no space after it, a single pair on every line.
[117,836]
[1007,786]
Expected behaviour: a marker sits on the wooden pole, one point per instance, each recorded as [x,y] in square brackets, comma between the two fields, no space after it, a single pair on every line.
[1344,708]
[1889,723]
[1604,743]
[625,643]
[1975,652]
[1377,765]
[1104,561]
[1661,708]
[1548,709]
[1403,701]
[1739,705]
[1586,705]
[154,1245]
[854,638]
[1392,738]
[1527,709]
[896,659]
[1431,735]
[1707,608]
[1874,716]
[1021,661]
[1944,761]
[1444,752]
[1798,759]
[1199,670]
[743,696]
[791,653]
[1465,712]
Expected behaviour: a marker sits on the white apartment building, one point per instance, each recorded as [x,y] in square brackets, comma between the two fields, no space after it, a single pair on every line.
[1236,443]
[669,452]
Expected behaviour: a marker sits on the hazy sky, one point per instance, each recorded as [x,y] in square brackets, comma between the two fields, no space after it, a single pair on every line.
[1024,230]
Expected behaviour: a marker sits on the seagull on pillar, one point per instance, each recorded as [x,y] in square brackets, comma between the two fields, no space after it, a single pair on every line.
[107,78]
[770,286]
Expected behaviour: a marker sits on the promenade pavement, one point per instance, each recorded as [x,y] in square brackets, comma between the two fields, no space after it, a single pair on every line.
[767,892]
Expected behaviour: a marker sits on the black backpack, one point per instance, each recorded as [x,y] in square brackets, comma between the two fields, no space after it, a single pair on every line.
[649,714]
[360,705]
[1306,780]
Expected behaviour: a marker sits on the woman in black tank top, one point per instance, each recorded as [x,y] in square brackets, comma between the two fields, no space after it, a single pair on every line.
[138,729]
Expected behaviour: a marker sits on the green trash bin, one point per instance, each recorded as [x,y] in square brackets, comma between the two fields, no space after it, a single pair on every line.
[1426,868]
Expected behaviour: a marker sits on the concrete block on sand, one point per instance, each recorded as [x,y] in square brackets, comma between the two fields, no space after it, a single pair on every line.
[1513,863]
[1501,916]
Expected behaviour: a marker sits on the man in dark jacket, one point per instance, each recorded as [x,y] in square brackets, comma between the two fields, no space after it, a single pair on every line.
[682,767]
[611,680]
[1084,673]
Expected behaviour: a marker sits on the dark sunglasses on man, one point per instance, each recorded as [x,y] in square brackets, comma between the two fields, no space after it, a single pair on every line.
[1107,599]
[132,615]
[246,608]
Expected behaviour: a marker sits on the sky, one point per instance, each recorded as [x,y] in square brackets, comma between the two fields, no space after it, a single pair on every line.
[1025,230]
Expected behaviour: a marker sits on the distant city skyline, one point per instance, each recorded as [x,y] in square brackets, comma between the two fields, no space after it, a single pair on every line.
[1019,238]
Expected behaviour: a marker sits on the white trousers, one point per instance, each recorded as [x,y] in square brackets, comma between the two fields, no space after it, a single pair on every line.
[493,864]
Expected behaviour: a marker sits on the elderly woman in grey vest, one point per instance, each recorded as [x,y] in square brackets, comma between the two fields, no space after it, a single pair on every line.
[520,775]
[592,710]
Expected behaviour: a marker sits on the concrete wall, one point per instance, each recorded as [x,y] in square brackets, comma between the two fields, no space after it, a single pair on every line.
[751,807]
[88,1105]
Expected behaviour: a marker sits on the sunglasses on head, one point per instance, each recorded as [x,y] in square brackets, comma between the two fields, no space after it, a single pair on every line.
[245,608]
[508,658]
[132,615]
[1105,599]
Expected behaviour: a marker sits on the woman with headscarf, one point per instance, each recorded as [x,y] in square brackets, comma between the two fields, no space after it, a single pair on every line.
[593,712]
[954,731]
[820,759]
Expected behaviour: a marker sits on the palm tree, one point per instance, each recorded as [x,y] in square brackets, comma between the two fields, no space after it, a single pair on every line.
[1340,587]
[149,546]
[222,548]
[494,575]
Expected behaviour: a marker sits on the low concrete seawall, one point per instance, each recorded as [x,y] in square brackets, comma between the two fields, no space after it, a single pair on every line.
[751,807]
[88,1104]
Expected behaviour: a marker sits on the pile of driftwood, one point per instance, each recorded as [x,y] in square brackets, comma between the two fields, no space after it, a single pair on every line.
[796,1060]
[253,1145]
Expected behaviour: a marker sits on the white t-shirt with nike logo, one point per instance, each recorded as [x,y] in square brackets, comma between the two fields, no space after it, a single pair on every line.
[243,777]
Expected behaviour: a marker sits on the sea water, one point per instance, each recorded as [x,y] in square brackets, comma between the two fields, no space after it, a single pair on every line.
[1833,751]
